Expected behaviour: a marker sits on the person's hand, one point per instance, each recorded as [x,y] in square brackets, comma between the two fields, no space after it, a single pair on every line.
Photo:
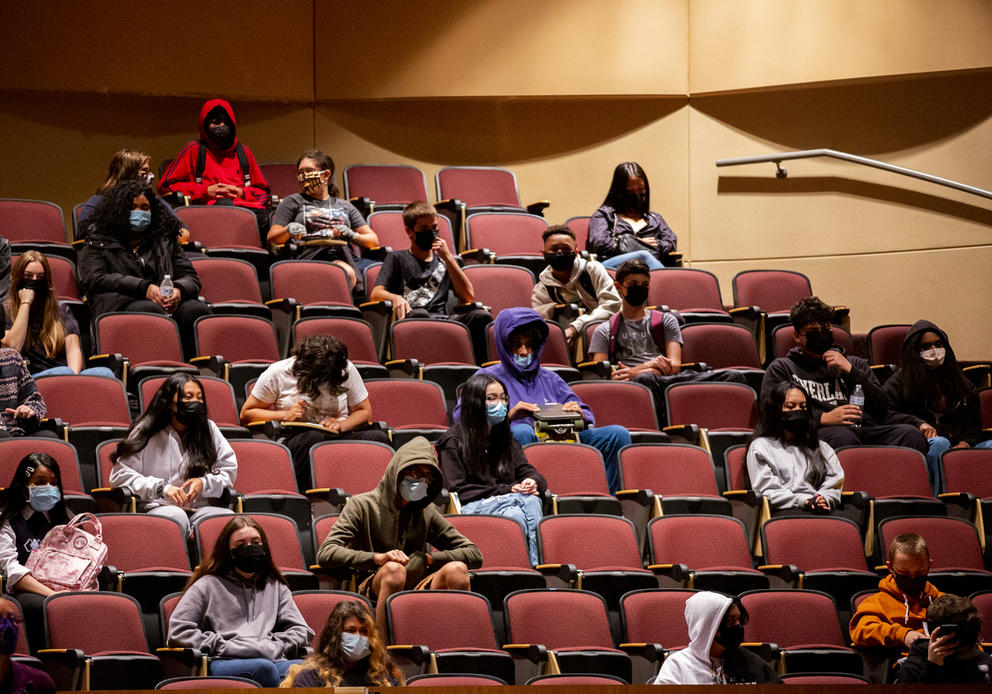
[236,191]
[522,409]
[223,190]
[176,495]
[649,240]
[912,637]
[817,504]
[25,295]
[21,412]
[835,358]
[401,307]
[941,646]
[842,415]
[927,430]
[571,406]
[962,444]
[663,364]
[154,294]
[525,486]
[171,303]
[296,412]
[622,373]
[331,424]
[395,555]
[193,488]
[570,334]
[441,248]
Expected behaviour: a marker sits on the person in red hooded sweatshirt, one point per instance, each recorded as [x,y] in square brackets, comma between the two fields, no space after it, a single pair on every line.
[217,169]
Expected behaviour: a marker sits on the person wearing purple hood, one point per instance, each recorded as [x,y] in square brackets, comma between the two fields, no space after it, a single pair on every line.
[930,392]
[520,336]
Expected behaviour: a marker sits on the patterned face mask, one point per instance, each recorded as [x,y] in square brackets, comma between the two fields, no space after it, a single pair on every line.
[310,181]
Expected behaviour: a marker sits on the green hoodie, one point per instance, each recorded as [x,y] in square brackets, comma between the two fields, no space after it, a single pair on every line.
[373,522]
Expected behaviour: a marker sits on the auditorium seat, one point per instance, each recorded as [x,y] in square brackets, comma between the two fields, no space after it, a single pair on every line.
[512,238]
[501,286]
[575,475]
[34,224]
[409,407]
[341,469]
[385,186]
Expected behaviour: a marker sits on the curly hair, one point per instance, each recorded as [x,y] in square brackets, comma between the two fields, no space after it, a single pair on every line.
[321,361]
[328,659]
[810,310]
[111,219]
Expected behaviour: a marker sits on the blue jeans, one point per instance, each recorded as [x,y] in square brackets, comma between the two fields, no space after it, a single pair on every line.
[523,508]
[649,258]
[66,371]
[267,673]
[935,447]
[607,440]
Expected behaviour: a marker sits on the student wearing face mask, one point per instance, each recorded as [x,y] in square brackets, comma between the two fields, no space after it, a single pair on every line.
[395,535]
[16,677]
[238,609]
[130,247]
[568,279]
[930,392]
[624,227]
[485,465]
[714,654]
[520,336]
[787,463]
[32,504]
[893,617]
[349,653]
[174,459]
[324,225]
[217,169]
[126,165]
[951,654]
[39,326]
[829,376]
[424,281]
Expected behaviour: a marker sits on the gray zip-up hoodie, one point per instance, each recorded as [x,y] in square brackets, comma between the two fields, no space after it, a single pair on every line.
[230,617]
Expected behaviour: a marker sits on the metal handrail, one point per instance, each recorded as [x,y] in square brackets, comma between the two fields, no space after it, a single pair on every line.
[777,159]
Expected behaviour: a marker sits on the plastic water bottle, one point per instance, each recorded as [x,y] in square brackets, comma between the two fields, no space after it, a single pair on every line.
[858,398]
[166,288]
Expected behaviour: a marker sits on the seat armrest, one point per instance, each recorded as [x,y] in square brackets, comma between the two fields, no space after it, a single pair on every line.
[65,665]
[856,499]
[56,426]
[671,259]
[113,500]
[747,496]
[677,572]
[450,204]
[404,368]
[596,370]
[698,366]
[538,207]
[652,652]
[477,256]
[567,573]
[690,432]
[788,573]
[376,253]
[644,497]
[115,362]
[465,308]
[364,204]
[334,496]
[745,312]
[180,662]
[534,652]
[214,364]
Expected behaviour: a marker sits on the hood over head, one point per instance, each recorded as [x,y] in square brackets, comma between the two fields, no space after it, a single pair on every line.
[920,327]
[417,451]
[208,107]
[511,319]
[704,613]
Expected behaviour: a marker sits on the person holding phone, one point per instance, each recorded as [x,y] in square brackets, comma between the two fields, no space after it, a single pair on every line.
[951,655]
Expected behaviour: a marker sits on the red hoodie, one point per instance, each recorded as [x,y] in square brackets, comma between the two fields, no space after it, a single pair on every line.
[221,166]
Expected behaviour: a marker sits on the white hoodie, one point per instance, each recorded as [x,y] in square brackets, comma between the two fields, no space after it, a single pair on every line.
[704,612]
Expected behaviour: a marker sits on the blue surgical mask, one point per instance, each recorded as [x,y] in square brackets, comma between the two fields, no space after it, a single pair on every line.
[8,636]
[496,412]
[522,362]
[140,219]
[43,497]
[354,647]
[413,489]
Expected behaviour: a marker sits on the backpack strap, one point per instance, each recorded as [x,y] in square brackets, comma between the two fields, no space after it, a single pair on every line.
[201,162]
[243,163]
[585,281]
[614,329]
[554,293]
[658,329]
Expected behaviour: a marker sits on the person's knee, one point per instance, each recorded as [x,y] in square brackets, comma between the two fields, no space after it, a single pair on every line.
[910,436]
[838,437]
[524,434]
[938,444]
[266,673]
[349,271]
[392,577]
[454,576]
[615,435]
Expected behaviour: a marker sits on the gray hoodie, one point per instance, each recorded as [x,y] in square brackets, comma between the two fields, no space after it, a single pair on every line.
[229,617]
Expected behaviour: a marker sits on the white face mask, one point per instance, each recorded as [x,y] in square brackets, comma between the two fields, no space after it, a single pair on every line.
[933,357]
[413,489]
[354,647]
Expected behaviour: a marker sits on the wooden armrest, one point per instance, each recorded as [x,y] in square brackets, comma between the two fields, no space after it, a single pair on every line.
[566,572]
[534,652]
[644,497]
[676,572]
[787,572]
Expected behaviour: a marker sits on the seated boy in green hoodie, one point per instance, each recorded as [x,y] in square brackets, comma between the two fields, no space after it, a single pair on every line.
[385,533]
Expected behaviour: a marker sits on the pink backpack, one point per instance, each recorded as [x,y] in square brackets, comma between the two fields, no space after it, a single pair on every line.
[69,557]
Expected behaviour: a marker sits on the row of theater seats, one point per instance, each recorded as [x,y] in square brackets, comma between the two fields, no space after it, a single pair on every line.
[453,632]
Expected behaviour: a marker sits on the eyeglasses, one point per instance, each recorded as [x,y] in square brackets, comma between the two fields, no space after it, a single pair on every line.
[493,399]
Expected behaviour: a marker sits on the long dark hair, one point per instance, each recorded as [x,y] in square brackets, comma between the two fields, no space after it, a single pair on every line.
[111,219]
[927,386]
[321,362]
[15,497]
[201,453]
[618,187]
[328,659]
[770,426]
[325,163]
[485,449]
[221,563]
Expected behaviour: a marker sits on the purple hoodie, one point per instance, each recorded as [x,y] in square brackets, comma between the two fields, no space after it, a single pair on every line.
[532,384]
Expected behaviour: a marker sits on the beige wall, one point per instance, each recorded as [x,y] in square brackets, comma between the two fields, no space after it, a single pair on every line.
[560,91]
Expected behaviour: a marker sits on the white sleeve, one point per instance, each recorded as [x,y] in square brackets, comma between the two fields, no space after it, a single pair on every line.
[765,478]
[833,483]
[13,569]
[266,388]
[355,386]
[226,468]
[127,474]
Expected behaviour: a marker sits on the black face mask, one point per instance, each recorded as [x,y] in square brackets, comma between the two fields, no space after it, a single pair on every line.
[39,286]
[425,239]
[913,587]
[635,201]
[562,261]
[637,295]
[249,558]
[190,411]
[819,341]
[796,421]
[731,637]
[221,134]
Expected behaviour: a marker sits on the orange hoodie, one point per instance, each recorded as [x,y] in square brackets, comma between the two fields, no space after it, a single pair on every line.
[884,619]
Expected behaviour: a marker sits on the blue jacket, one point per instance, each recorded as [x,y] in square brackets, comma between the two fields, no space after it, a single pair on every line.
[532,384]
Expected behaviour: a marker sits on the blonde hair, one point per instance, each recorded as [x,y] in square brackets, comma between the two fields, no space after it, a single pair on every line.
[909,544]
[123,167]
[45,325]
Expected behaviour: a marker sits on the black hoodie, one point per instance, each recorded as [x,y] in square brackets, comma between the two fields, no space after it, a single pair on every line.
[961,422]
